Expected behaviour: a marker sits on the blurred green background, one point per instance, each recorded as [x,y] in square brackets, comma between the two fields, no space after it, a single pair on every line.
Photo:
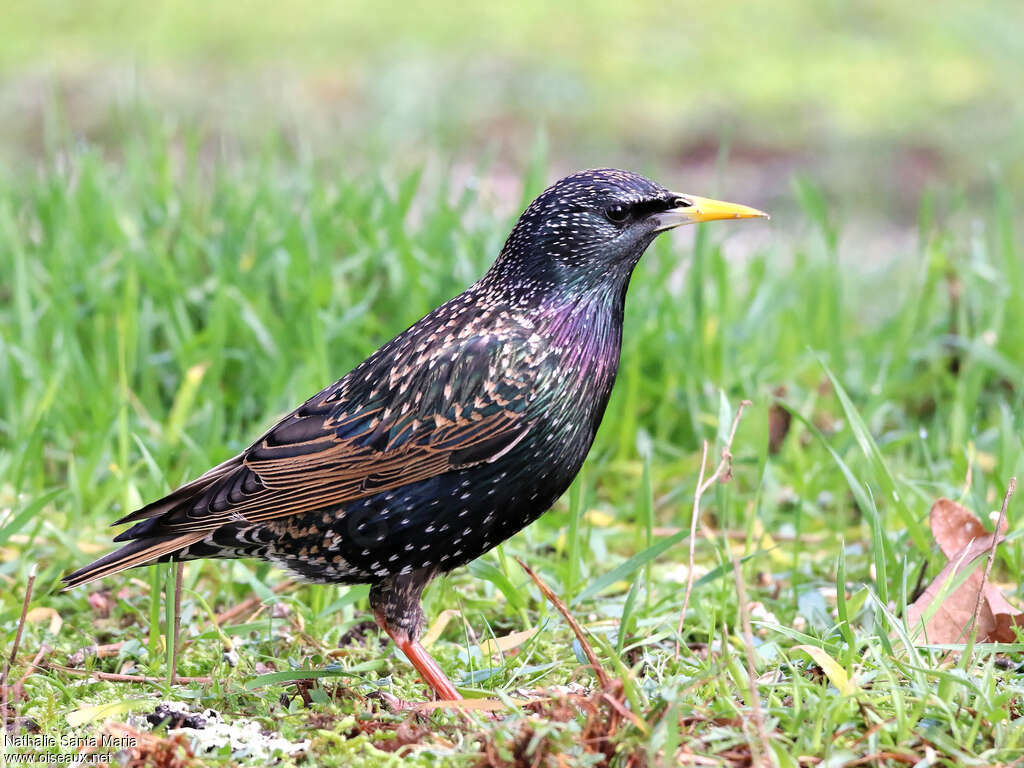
[875,101]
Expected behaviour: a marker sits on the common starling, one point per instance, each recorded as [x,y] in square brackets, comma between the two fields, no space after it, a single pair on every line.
[450,438]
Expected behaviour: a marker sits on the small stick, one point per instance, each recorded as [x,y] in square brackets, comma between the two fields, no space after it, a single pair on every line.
[748,647]
[1010,488]
[19,687]
[619,707]
[588,651]
[919,585]
[723,471]
[251,602]
[694,516]
[178,578]
[115,677]
[14,648]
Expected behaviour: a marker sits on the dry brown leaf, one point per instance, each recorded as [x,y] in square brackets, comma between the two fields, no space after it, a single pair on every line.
[149,750]
[998,602]
[1003,631]
[954,526]
[951,621]
[1005,615]
[964,540]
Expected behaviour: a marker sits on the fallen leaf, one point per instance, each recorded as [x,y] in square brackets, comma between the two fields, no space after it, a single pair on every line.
[508,642]
[835,673]
[947,607]
[1005,616]
[947,612]
[954,526]
[1003,631]
[998,602]
[91,713]
[437,627]
[39,614]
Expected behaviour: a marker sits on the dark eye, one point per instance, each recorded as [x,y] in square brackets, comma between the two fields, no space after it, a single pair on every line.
[617,213]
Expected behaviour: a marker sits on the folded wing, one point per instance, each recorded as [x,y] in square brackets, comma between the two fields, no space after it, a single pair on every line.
[379,428]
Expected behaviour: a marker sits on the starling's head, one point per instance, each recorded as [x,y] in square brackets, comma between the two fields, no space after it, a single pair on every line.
[594,224]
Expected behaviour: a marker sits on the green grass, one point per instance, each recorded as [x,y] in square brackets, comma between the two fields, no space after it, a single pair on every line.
[157,311]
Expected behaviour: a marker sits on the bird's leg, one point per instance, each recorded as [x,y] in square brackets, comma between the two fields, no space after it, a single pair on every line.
[417,655]
[396,609]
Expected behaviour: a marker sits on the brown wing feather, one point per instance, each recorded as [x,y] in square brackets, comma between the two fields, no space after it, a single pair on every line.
[340,473]
[357,439]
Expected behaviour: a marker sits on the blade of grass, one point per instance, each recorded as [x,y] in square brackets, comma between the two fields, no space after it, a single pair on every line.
[882,476]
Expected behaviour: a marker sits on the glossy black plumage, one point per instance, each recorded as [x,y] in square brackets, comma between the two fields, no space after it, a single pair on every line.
[447,440]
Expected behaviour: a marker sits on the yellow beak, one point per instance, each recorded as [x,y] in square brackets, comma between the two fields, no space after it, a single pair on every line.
[693,209]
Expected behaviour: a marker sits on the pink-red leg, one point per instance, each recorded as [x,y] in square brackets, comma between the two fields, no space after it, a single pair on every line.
[417,655]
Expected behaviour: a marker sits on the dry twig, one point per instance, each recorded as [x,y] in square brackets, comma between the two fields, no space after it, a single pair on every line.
[694,517]
[588,650]
[722,472]
[115,677]
[179,576]
[19,687]
[759,751]
[14,648]
[1010,488]
[251,602]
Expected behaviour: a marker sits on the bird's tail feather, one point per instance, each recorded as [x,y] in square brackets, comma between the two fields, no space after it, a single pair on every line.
[135,553]
[183,494]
